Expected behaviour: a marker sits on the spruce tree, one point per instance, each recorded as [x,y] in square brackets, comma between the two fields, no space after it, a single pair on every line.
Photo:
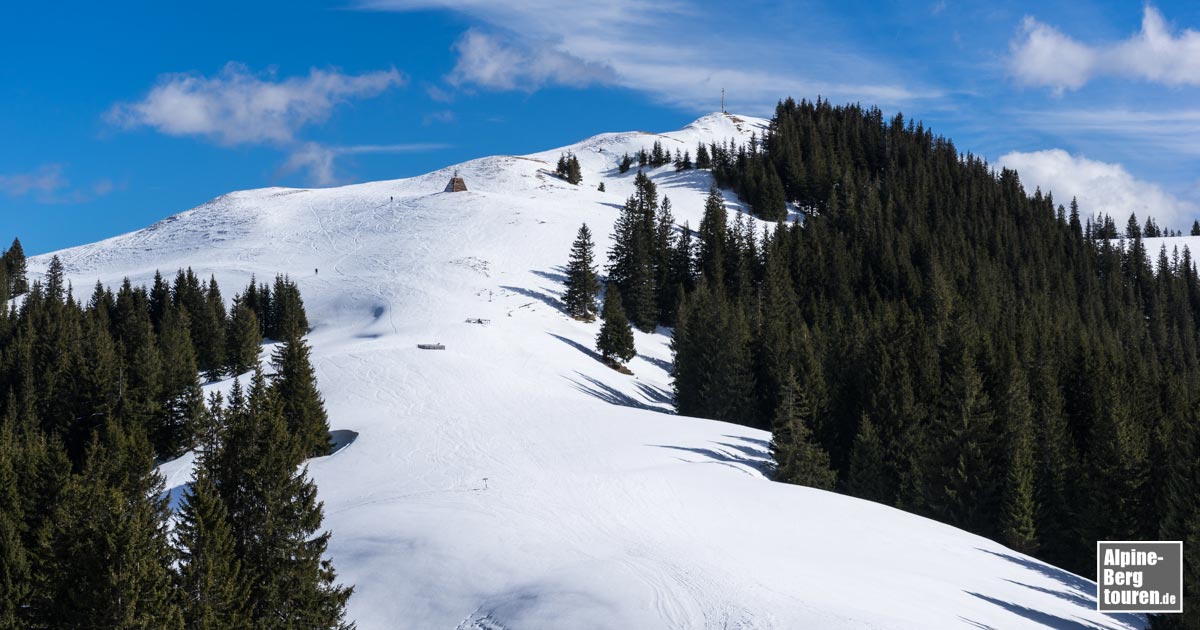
[581,283]
[961,478]
[15,577]
[182,400]
[798,459]
[867,478]
[273,516]
[1195,228]
[107,556]
[713,237]
[625,164]
[14,266]
[243,338]
[703,162]
[632,257]
[295,387]
[1019,510]
[288,318]
[213,591]
[713,373]
[615,341]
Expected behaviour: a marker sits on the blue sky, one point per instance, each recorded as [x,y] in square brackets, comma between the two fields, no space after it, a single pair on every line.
[112,117]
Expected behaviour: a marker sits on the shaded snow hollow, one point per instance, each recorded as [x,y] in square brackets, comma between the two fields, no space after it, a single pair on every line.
[600,508]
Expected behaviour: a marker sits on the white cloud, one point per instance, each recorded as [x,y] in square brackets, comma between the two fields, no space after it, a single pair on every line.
[492,62]
[240,107]
[1047,57]
[1100,187]
[678,53]
[319,160]
[45,180]
[47,184]
[1044,56]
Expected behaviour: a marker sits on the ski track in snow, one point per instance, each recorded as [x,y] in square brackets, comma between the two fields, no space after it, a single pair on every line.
[599,510]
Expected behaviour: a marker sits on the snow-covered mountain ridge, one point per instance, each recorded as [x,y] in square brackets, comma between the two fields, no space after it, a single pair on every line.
[512,480]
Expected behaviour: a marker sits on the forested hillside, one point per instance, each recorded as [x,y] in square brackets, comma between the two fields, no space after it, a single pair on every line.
[95,395]
[941,339]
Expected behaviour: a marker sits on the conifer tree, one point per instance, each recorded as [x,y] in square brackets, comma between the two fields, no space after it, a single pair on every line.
[160,300]
[1195,228]
[274,517]
[295,387]
[213,591]
[631,259]
[1056,456]
[703,162]
[712,374]
[15,577]
[798,459]
[681,276]
[14,266]
[107,557]
[581,283]
[243,338]
[615,341]
[713,237]
[960,483]
[867,477]
[771,204]
[182,401]
[661,251]
[1019,510]
[1116,469]
[288,318]
[1132,229]
[574,173]
[625,164]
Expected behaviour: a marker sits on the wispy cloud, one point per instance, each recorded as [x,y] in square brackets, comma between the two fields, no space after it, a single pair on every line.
[1044,56]
[1173,131]
[238,106]
[319,161]
[1100,187]
[493,62]
[679,53]
[47,184]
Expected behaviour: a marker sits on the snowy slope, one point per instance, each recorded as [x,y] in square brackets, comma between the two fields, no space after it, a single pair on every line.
[512,481]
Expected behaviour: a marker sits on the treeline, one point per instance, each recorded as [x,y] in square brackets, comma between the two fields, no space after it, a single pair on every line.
[932,337]
[94,395]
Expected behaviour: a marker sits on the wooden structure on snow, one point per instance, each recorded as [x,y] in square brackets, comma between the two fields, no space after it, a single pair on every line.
[457,184]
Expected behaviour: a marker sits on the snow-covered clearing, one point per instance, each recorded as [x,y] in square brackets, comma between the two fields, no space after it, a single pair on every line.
[512,480]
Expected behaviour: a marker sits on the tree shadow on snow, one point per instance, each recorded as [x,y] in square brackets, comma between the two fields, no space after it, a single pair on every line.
[655,394]
[1044,619]
[598,389]
[763,445]
[557,274]
[580,347]
[545,298]
[1074,589]
[661,364]
[735,458]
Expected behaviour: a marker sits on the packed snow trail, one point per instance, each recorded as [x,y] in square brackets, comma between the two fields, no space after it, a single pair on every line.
[514,482]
